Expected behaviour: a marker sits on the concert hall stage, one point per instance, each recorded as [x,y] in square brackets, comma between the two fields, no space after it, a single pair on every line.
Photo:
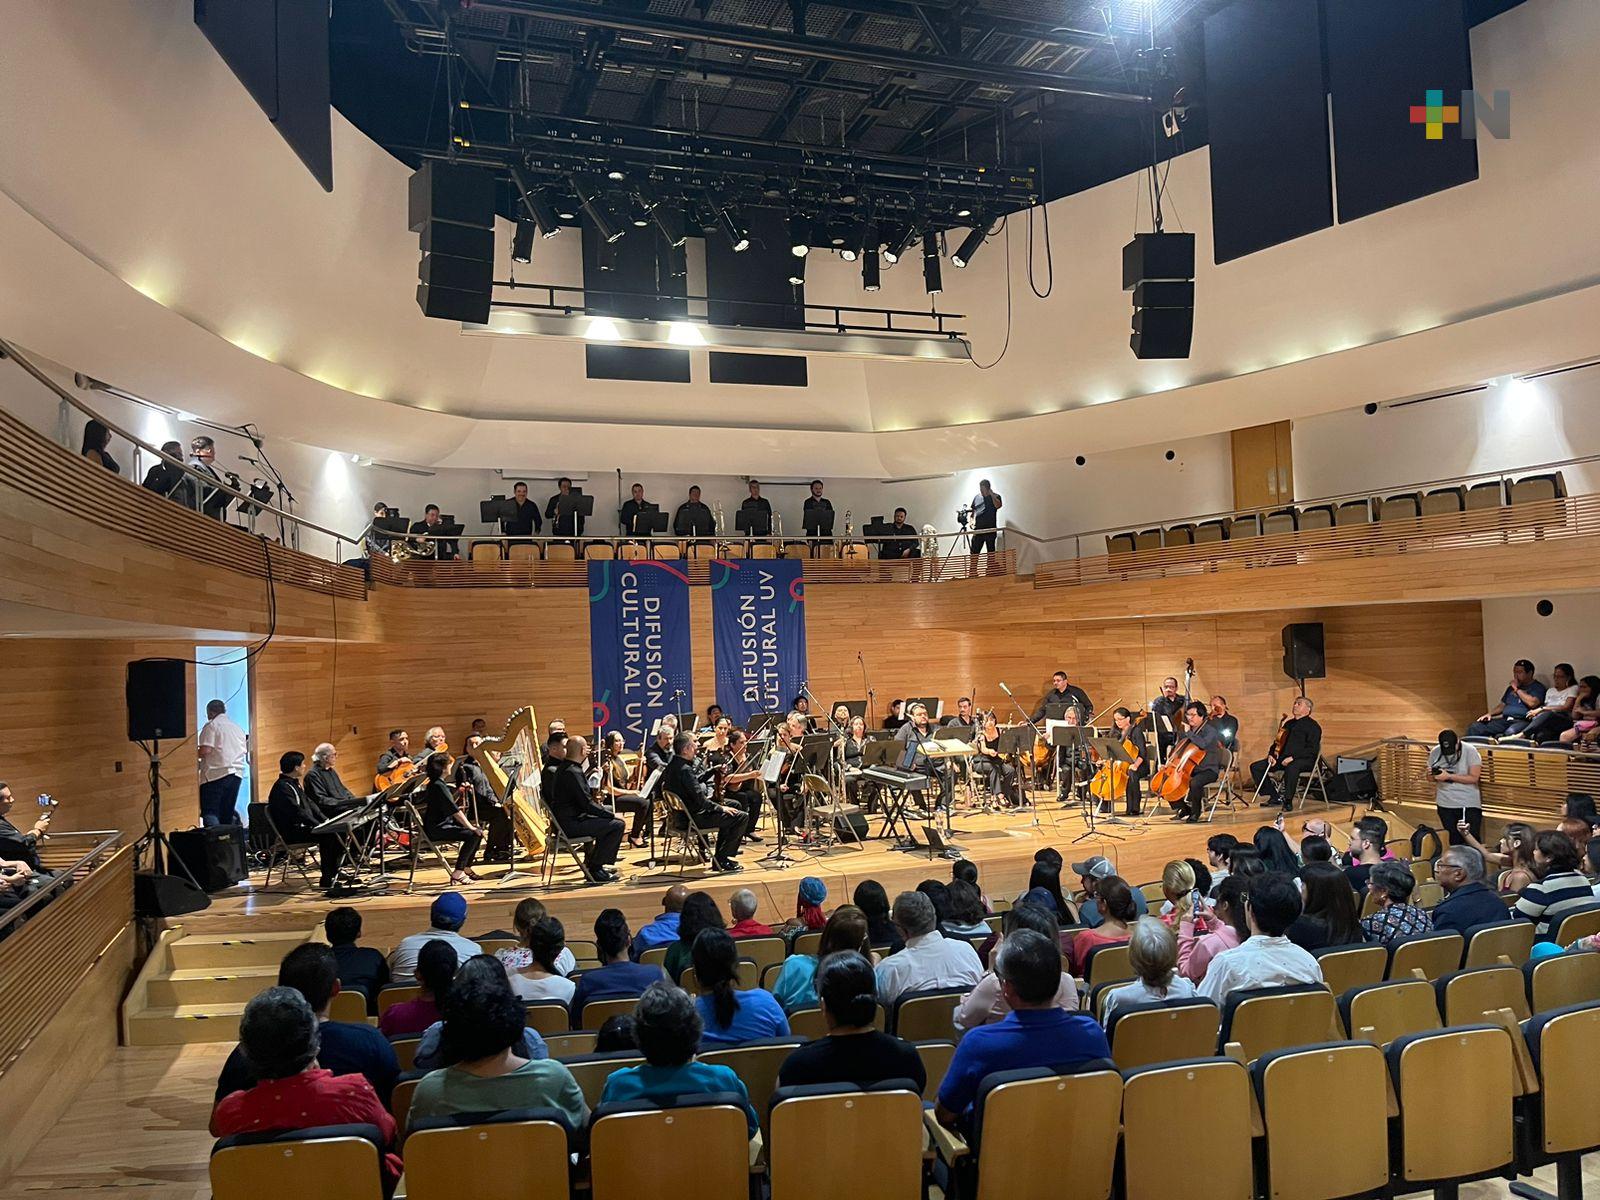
[1003,846]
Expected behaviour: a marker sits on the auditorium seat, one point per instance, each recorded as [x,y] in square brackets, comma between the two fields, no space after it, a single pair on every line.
[1428,895]
[1578,923]
[856,552]
[1178,535]
[495,945]
[702,550]
[515,1155]
[1353,512]
[763,951]
[560,552]
[571,1043]
[1421,869]
[547,1016]
[1487,942]
[666,551]
[869,1135]
[1491,494]
[1469,996]
[1279,520]
[926,1015]
[1350,1118]
[1146,540]
[485,552]
[349,1006]
[796,550]
[1317,516]
[396,993]
[1119,543]
[1271,1018]
[686,1152]
[1455,1089]
[1435,954]
[1187,1130]
[597,1012]
[936,1055]
[1402,506]
[657,955]
[400,1098]
[523,551]
[749,977]
[1345,967]
[1107,963]
[599,551]
[1533,488]
[1210,531]
[1244,527]
[807,943]
[756,1063]
[329,1162]
[592,1070]
[1560,980]
[763,550]
[1157,1031]
[1563,1116]
[633,551]
[1444,500]
[740,549]
[405,1050]
[1382,1012]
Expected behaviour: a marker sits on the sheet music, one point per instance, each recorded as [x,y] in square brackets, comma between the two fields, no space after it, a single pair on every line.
[772,769]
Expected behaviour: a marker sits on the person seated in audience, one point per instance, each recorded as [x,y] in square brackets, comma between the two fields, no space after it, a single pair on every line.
[1553,715]
[936,891]
[1513,853]
[97,446]
[1330,914]
[930,960]
[164,477]
[662,931]
[1266,958]
[742,908]
[667,1027]
[1467,899]
[986,1002]
[1585,726]
[1591,863]
[795,985]
[281,1039]
[1396,919]
[360,967]
[1577,830]
[966,917]
[21,848]
[700,911]
[1177,881]
[446,916]
[617,976]
[1315,848]
[731,1016]
[1510,717]
[873,901]
[616,1033]
[1045,875]
[436,966]
[1092,873]
[482,1037]
[1560,888]
[1366,850]
[1218,847]
[966,870]
[808,914]
[854,1052]
[1034,1034]
[1204,935]
[433,1053]
[1275,850]
[444,820]
[347,1047]
[1118,914]
[1153,955]
[540,980]
[529,912]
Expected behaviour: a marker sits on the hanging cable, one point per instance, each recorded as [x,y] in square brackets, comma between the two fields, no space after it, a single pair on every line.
[1005,225]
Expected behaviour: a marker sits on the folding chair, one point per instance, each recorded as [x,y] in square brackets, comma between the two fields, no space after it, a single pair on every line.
[1475,1068]
[1562,980]
[693,841]
[1352,1093]
[329,1162]
[1198,1160]
[1382,1012]
[1563,1116]
[1487,943]
[561,842]
[1313,778]
[1263,1019]
[1345,967]
[520,1154]
[282,853]
[827,811]
[1221,792]
[874,1135]
[927,1015]
[687,1152]
[1434,954]
[1162,1030]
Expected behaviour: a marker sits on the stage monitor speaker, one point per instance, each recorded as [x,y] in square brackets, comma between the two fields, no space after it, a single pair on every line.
[156,691]
[1302,651]
[214,855]
[850,827]
[166,895]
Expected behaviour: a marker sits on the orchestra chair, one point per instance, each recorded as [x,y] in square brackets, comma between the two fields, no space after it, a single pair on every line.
[495,945]
[857,552]
[1119,543]
[1315,516]
[400,1099]
[571,1043]
[547,1016]
[560,552]
[283,853]
[1493,940]
[1563,1116]
[560,842]
[749,977]
[763,550]
[1561,980]
[694,842]
[485,552]
[349,1005]
[597,1012]
[1336,1147]
[405,1051]
[1381,1012]
[599,550]
[1465,997]
[327,1162]
[656,956]
[395,993]
[824,806]
[1353,512]
[696,1150]
[809,942]
[1107,964]
[703,550]
[1220,792]
[1313,778]
[756,1063]
[926,1015]
[1441,501]
[592,1070]
[1455,1089]
[1161,1030]
[1579,923]
[763,951]
[667,551]
[1434,954]
[935,1056]
[519,1154]
[1187,1130]
[1345,967]
[868,1135]
[1489,494]
[1261,1019]
[522,551]
[633,551]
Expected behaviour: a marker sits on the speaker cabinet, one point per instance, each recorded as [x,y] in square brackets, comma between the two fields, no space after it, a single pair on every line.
[1303,656]
[166,895]
[1158,268]
[214,854]
[156,692]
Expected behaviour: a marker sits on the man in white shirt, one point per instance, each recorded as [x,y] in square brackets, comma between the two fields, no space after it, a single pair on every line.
[224,751]
[1266,958]
[930,960]
[446,917]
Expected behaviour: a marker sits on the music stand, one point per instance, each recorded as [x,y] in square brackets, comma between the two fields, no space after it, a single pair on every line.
[496,510]
[688,722]
[643,521]
[933,704]
[1110,750]
[395,525]
[760,723]
[818,522]
[857,708]
[1016,743]
[655,521]
[753,521]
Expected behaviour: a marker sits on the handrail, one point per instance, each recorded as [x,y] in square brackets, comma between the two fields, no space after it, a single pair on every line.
[110,839]
[8,350]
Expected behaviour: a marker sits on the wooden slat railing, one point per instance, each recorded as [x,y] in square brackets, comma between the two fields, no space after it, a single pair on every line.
[1519,784]
[1531,521]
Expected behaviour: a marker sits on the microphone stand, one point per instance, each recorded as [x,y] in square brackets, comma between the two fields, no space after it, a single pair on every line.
[835,752]
[872,714]
[1038,735]
[289,536]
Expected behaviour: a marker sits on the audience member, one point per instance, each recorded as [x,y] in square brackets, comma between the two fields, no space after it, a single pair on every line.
[1553,715]
[1275,850]
[1467,899]
[930,960]
[1153,955]
[986,1002]
[1392,883]
[1046,874]
[445,919]
[97,446]
[1091,874]
[966,917]
[1560,888]
[1577,831]
[1204,881]
[1330,913]
[1315,848]
[667,1028]
[1513,852]
[700,911]
[540,980]
[1266,958]
[1218,848]
[742,908]
[1366,850]
[872,900]
[529,912]
[966,871]
[729,1015]
[1034,1034]
[436,966]
[617,976]
[1585,714]
[1202,936]
[1177,883]
[617,1033]
[361,968]
[19,847]
[1454,768]
[935,890]
[795,986]
[808,902]
[854,1051]
[663,931]
[1245,863]
[280,1037]
[346,1047]
[1117,915]
[1508,718]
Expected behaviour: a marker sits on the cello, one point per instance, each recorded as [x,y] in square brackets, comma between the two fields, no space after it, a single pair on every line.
[1111,780]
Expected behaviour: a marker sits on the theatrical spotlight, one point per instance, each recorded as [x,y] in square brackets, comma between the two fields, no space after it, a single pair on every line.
[869,271]
[969,245]
[522,241]
[738,234]
[896,239]
[537,204]
[594,207]
[799,235]
[668,219]
[932,280]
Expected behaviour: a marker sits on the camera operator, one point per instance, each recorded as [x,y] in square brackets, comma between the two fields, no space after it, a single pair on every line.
[1455,768]
[984,507]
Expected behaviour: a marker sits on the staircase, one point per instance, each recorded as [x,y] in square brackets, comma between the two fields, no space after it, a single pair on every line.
[194,987]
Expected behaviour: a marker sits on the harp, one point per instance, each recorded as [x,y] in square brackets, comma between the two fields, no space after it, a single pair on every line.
[512,764]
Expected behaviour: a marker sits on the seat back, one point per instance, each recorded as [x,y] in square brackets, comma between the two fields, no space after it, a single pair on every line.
[873,1136]
[763,550]
[592,1070]
[1381,1012]
[927,1015]
[936,1058]
[1562,980]
[1051,1137]
[1421,869]
[1199,1160]
[1468,997]
[522,551]
[396,993]
[749,976]
[1119,543]
[1538,487]
[656,956]
[1178,535]
[1144,1034]
[808,943]
[756,1064]
[1474,1068]
[485,552]
[597,1012]
[1209,531]
[559,552]
[1577,924]
[1345,967]
[1353,512]
[400,1099]
[1402,507]
[495,945]
[1428,895]
[1153,893]
[599,550]
[1262,1019]
[1279,520]
[1349,1119]
[405,1051]
[1244,527]
[501,1160]
[1434,954]
[1444,500]
[809,1022]
[1147,539]
[348,1006]
[332,1163]
[1562,1045]
[547,1016]
[1108,964]
[763,951]
[697,1153]
[1318,516]
[1486,943]
[1486,495]
[565,1045]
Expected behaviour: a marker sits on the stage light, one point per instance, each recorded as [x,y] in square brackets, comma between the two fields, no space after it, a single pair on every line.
[669,220]
[594,207]
[522,241]
[640,214]
[603,329]
[799,235]
[849,254]
[932,280]
[963,212]
[605,256]
[870,271]
[682,333]
[544,213]
[969,246]
[898,240]
[616,176]
[738,234]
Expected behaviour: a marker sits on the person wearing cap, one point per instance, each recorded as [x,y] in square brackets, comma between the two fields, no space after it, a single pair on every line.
[1454,768]
[1090,872]
[445,919]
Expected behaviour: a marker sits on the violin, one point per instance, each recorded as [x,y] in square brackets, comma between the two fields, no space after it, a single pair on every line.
[1281,740]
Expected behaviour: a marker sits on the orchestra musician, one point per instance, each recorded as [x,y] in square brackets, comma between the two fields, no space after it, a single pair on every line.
[816,503]
[990,766]
[1168,704]
[442,550]
[1302,744]
[1128,731]
[786,795]
[563,524]
[527,521]
[899,543]
[433,742]
[485,804]
[555,751]
[714,716]
[444,820]
[1227,724]
[841,718]
[715,747]
[1209,738]
[612,780]
[855,743]
[658,754]
[323,785]
[399,751]
[741,786]
[896,717]
[1054,705]
[963,713]
[574,809]
[693,518]
[916,733]
[200,495]
[294,816]
[802,705]
[632,510]
[727,819]
[758,510]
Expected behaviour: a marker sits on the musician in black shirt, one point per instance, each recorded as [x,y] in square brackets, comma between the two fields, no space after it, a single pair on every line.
[527,522]
[443,550]
[1205,735]
[294,816]
[742,785]
[1301,746]
[1168,704]
[483,803]
[896,546]
[1061,696]
[759,511]
[327,791]
[164,478]
[576,812]
[568,523]
[729,821]
[985,507]
[1128,732]
[896,717]
[693,519]
[815,506]
[444,820]
[632,510]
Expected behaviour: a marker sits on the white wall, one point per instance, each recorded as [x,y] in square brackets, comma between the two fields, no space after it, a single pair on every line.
[1513,629]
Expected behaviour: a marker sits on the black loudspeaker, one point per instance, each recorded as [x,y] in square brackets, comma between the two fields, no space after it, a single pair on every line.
[1162,332]
[166,895]
[1302,651]
[452,207]
[214,855]
[461,195]
[156,708]
[850,827]
[1338,789]
[1158,268]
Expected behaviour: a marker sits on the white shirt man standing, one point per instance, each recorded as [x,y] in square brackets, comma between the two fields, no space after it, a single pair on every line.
[224,751]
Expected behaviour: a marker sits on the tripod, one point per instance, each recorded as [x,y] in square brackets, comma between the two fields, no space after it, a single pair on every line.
[154,838]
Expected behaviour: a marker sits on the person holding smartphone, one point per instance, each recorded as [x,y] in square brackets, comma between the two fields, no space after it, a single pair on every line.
[1455,767]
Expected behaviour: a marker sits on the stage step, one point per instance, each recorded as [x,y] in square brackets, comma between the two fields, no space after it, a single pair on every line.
[229,952]
[185,1024]
[193,987]
[210,986]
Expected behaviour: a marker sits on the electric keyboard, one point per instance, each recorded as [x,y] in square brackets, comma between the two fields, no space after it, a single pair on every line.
[909,781]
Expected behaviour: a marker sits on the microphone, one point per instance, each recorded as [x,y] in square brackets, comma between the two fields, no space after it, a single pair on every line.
[248,459]
[1006,690]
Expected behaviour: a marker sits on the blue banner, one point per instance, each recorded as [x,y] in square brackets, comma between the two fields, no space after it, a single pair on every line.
[758,632]
[639,653]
